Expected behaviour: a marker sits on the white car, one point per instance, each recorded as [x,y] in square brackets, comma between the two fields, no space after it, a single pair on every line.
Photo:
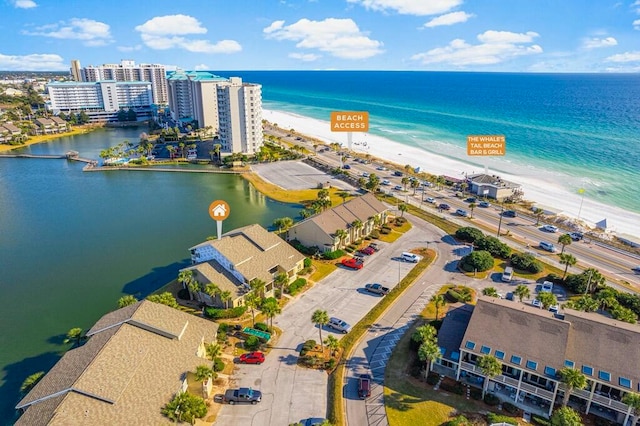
[433,201]
[554,309]
[536,303]
[462,212]
[547,246]
[398,188]
[386,182]
[365,174]
[549,228]
[547,286]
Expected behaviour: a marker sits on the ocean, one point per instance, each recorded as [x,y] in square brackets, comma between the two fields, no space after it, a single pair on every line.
[581,129]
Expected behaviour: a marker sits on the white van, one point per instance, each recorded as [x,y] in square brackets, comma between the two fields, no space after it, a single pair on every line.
[410,257]
[507,275]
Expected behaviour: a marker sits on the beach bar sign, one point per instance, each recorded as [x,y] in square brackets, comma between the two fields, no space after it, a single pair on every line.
[349,121]
[486,145]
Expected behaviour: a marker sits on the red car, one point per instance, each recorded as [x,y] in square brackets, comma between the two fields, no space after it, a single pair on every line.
[252,358]
[367,250]
[353,263]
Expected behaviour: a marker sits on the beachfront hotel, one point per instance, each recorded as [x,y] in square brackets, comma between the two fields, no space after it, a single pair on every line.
[533,345]
[100,100]
[231,108]
[126,70]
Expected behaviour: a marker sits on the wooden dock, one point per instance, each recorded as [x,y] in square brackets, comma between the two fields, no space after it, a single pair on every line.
[71,156]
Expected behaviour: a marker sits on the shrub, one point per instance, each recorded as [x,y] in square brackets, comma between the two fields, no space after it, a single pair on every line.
[400,221]
[295,286]
[477,260]
[491,399]
[215,313]
[218,365]
[476,394]
[223,326]
[436,324]
[261,326]
[453,296]
[221,336]
[510,408]
[456,388]
[497,418]
[350,249]
[332,255]
[306,262]
[307,346]
[375,234]
[459,421]
[385,231]
[433,379]
[494,246]
[252,343]
[526,262]
[541,421]
[331,364]
[469,234]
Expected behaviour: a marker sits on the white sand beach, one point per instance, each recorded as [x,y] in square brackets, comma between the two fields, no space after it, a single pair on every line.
[540,187]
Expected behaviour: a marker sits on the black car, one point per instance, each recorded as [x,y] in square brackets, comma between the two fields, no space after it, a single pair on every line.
[397,173]
[509,213]
[444,206]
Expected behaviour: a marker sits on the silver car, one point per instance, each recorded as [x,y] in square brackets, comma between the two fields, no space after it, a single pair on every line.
[338,325]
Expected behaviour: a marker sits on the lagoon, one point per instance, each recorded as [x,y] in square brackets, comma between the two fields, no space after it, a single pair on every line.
[72,243]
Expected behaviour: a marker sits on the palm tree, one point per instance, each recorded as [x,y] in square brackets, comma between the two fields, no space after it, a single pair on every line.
[194,288]
[573,379]
[283,223]
[440,180]
[490,367]
[357,225]
[522,291]
[404,181]
[344,195]
[567,259]
[172,150]
[415,184]
[213,350]
[185,277]
[429,352]
[632,399]
[216,150]
[126,301]
[320,318]
[280,281]
[538,213]
[332,343]
[225,297]
[252,301]
[203,374]
[565,240]
[258,286]
[271,309]
[341,234]
[438,301]
[547,299]
[424,333]
[75,336]
[490,291]
[471,207]
[403,208]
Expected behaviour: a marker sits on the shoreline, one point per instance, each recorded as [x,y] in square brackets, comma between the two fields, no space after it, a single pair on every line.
[542,190]
[33,140]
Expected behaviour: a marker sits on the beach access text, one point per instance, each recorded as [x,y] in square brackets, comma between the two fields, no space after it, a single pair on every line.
[482,145]
[349,121]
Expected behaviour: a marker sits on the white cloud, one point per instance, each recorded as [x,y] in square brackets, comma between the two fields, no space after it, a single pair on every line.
[339,37]
[495,47]
[306,57]
[130,48]
[410,7]
[24,4]
[596,42]
[449,19]
[625,57]
[168,32]
[202,67]
[33,62]
[636,24]
[90,32]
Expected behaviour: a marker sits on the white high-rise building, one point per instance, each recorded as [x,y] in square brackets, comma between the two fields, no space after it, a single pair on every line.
[128,71]
[232,109]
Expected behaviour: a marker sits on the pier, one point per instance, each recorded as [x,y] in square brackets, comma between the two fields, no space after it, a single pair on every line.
[71,155]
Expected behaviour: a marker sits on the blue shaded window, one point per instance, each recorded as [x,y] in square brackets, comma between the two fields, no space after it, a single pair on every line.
[532,365]
[569,363]
[549,371]
[485,349]
[624,382]
[499,354]
[470,345]
[515,359]
[455,356]
[587,370]
[604,375]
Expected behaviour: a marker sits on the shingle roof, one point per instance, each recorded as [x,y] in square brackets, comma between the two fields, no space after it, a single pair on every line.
[126,370]
[484,179]
[454,326]
[213,272]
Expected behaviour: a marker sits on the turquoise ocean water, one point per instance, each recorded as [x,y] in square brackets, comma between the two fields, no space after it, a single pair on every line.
[586,126]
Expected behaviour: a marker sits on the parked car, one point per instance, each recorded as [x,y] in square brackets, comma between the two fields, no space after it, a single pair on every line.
[430,200]
[510,296]
[252,358]
[536,303]
[507,275]
[338,325]
[242,395]
[346,166]
[509,213]
[377,289]
[314,421]
[547,286]
[547,246]
[549,228]
[471,200]
[397,173]
[386,182]
[365,174]
[410,257]
[364,386]
[554,309]
[367,251]
[444,206]
[398,188]
[353,263]
[576,236]
[484,204]
[462,212]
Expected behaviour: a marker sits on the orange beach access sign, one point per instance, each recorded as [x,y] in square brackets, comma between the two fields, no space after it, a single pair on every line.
[349,121]
[486,145]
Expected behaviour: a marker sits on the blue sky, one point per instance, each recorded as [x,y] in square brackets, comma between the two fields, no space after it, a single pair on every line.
[438,35]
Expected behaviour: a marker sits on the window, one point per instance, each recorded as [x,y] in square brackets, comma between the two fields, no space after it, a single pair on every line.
[624,382]
[587,370]
[499,354]
[550,371]
[470,345]
[532,365]
[485,349]
[604,375]
[569,363]
[515,359]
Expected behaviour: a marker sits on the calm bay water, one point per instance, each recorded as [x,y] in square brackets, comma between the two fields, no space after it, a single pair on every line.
[73,242]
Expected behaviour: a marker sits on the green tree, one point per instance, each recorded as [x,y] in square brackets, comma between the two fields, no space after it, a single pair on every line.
[438,301]
[522,291]
[341,234]
[567,259]
[213,350]
[428,352]
[131,115]
[490,291]
[252,301]
[583,303]
[490,367]
[204,373]
[280,281]
[31,381]
[185,277]
[572,379]
[564,240]
[185,407]
[283,223]
[477,260]
[424,333]
[344,195]
[320,318]
[632,399]
[122,115]
[471,207]
[332,343]
[415,184]
[566,416]
[357,225]
[126,301]
[271,308]
[75,336]
[403,208]
[538,213]
[404,181]
[258,286]
[165,298]
[547,299]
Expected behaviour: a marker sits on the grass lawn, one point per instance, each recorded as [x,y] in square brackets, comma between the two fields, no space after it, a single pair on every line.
[321,269]
[396,232]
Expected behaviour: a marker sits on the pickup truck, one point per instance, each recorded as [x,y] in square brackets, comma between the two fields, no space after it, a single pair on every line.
[353,263]
[242,395]
[376,288]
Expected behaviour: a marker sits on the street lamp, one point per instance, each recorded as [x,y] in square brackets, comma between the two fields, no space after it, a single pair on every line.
[500,221]
[580,191]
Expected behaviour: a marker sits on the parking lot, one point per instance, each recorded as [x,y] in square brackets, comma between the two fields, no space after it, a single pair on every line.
[297,175]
